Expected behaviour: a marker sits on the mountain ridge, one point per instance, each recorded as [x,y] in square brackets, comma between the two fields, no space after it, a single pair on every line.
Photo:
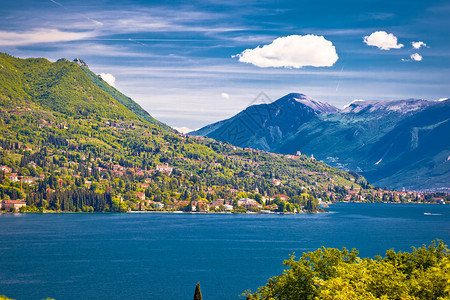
[352,138]
[400,106]
[121,98]
[318,106]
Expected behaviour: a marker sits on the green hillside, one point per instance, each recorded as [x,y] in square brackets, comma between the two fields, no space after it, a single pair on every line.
[67,145]
[122,99]
[60,87]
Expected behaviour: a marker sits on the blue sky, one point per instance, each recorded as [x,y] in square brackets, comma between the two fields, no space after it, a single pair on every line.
[184,61]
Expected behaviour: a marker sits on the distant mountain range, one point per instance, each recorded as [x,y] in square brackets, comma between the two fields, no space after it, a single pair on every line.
[400,143]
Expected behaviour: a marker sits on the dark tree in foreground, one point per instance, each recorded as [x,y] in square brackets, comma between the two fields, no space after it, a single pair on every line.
[198,292]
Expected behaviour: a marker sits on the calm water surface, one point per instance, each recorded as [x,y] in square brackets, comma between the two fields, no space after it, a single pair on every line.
[163,256]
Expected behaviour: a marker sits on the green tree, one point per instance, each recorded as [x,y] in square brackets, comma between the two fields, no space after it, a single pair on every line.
[198,292]
[329,273]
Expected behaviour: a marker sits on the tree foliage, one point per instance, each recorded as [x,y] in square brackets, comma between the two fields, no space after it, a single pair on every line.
[328,273]
[198,292]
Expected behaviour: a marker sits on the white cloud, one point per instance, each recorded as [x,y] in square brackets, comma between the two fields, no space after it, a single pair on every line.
[38,36]
[225,95]
[382,40]
[182,129]
[416,57]
[109,78]
[294,51]
[417,45]
[443,99]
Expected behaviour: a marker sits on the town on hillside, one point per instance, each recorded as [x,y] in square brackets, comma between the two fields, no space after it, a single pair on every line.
[73,180]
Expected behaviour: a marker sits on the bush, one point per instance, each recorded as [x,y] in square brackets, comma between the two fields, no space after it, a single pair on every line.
[329,273]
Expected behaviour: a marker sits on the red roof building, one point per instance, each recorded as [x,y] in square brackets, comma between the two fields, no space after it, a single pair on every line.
[12,205]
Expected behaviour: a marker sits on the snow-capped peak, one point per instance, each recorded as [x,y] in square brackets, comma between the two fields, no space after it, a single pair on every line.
[310,102]
[398,106]
[354,101]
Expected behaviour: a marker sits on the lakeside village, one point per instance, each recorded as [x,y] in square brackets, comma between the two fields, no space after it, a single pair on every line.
[142,202]
[56,180]
[206,201]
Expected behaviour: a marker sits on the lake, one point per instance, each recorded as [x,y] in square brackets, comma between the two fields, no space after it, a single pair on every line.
[163,256]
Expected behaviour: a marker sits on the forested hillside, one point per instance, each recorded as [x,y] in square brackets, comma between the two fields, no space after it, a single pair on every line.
[121,98]
[68,145]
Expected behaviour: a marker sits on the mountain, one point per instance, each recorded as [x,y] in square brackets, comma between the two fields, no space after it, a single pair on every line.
[419,146]
[265,126]
[68,142]
[60,87]
[121,98]
[400,143]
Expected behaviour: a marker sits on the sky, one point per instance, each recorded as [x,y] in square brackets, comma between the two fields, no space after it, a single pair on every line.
[192,63]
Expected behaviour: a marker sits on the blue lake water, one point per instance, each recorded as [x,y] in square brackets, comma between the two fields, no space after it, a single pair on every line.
[163,256]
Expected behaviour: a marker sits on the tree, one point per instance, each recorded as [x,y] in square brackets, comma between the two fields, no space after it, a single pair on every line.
[329,273]
[198,292]
[259,198]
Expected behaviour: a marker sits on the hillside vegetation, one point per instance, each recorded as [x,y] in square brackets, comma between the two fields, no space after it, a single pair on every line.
[68,145]
[121,98]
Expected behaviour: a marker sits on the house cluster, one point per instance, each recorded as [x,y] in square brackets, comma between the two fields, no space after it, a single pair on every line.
[121,126]
[14,177]
[5,169]
[276,182]
[249,203]
[438,200]
[44,123]
[223,205]
[18,111]
[119,170]
[12,205]
[358,195]
[164,169]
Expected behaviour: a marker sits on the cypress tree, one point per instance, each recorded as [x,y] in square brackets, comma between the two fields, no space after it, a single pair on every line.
[198,293]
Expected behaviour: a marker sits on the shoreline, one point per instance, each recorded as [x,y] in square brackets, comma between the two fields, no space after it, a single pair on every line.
[165,212]
[324,210]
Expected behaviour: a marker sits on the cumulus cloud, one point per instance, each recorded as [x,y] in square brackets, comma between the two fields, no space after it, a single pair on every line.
[416,57]
[225,95]
[417,45]
[109,78]
[294,51]
[182,129]
[382,40]
[413,57]
[38,36]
